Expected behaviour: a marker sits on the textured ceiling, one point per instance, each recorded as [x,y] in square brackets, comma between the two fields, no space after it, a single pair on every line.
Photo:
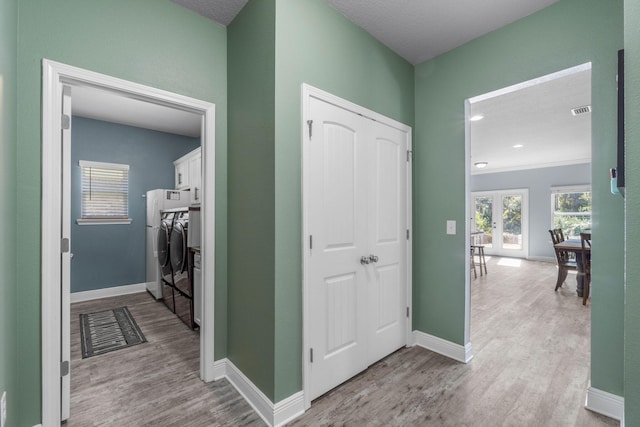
[417,30]
[221,11]
[421,29]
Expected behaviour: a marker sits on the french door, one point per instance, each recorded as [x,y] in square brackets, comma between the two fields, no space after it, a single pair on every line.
[500,222]
[356,257]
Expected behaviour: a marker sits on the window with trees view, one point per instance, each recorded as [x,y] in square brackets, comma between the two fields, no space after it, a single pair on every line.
[571,210]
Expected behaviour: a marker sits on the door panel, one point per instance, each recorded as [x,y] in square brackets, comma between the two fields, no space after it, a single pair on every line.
[337,224]
[387,241]
[356,208]
[339,185]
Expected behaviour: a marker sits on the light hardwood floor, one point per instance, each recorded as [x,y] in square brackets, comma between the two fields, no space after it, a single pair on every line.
[530,368]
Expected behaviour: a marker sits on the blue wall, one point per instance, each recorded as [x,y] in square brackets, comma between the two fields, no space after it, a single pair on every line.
[539,182]
[114,255]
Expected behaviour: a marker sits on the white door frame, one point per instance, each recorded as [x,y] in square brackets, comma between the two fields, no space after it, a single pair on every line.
[55,75]
[309,92]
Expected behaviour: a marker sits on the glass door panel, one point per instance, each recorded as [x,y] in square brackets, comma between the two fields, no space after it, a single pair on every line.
[483,221]
[512,222]
[499,222]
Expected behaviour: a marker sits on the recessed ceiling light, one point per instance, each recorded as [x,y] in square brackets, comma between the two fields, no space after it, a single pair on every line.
[476,117]
[518,146]
[481,165]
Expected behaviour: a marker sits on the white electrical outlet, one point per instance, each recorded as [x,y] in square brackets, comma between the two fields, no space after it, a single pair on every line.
[3,409]
[451,227]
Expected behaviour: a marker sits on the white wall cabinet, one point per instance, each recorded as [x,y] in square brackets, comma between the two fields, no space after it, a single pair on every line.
[182,174]
[188,170]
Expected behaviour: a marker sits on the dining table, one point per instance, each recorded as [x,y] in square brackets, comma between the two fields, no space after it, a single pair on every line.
[575,246]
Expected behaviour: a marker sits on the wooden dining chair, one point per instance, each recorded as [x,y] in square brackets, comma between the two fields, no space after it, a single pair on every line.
[562,257]
[585,241]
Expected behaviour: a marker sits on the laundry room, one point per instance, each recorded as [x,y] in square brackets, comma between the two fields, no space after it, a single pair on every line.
[118,255]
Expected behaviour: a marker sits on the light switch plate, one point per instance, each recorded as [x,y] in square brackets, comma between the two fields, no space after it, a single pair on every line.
[451,227]
[3,409]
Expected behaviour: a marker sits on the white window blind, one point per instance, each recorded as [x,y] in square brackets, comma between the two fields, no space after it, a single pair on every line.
[105,192]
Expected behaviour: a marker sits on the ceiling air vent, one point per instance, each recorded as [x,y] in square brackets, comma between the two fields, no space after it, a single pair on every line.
[581,110]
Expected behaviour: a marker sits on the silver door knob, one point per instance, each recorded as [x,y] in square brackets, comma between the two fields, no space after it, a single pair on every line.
[364,260]
[373,258]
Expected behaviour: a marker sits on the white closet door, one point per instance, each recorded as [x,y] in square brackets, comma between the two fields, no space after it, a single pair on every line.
[386,240]
[355,210]
[338,226]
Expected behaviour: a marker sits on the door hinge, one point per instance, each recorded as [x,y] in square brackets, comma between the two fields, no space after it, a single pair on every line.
[64,368]
[407,311]
[310,124]
[408,234]
[311,355]
[64,245]
[66,122]
[409,155]
[310,241]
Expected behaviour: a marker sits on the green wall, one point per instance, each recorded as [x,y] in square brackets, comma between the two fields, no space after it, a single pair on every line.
[316,45]
[156,43]
[275,46]
[8,148]
[632,199]
[251,192]
[569,33]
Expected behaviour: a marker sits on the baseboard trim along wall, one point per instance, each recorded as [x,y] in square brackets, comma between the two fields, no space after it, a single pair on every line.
[108,292]
[541,258]
[273,414]
[605,403]
[461,353]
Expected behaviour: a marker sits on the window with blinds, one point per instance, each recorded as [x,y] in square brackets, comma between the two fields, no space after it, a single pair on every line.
[105,193]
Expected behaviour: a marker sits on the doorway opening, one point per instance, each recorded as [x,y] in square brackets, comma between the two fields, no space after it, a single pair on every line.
[522,142]
[56,253]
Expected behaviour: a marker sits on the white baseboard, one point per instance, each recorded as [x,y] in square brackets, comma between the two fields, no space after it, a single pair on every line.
[542,258]
[274,415]
[461,353]
[607,404]
[108,292]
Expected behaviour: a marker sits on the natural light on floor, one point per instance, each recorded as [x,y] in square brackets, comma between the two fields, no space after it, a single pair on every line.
[510,262]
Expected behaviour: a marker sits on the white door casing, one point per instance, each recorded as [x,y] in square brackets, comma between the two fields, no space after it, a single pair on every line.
[356,205]
[55,77]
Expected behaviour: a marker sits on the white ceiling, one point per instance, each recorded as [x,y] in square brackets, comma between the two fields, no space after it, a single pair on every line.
[109,107]
[539,117]
[221,11]
[419,30]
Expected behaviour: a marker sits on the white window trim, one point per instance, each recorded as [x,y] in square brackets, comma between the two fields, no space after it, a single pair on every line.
[581,188]
[103,221]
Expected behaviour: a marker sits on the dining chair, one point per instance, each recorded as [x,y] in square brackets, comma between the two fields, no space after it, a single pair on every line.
[585,241]
[478,248]
[562,257]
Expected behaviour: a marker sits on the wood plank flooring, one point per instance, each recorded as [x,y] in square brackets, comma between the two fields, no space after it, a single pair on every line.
[151,384]
[530,368]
